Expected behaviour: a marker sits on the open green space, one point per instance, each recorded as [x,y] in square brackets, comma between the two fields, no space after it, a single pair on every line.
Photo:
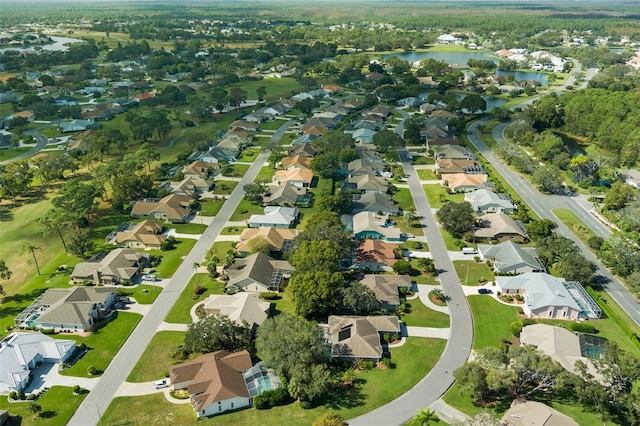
[8,154]
[414,246]
[449,240]
[437,196]
[180,313]
[143,293]
[193,228]
[423,278]
[284,304]
[102,344]
[491,320]
[232,230]
[423,160]
[210,207]
[375,388]
[276,87]
[422,316]
[172,259]
[471,272]
[220,249]
[426,174]
[403,197]
[265,174]
[244,211]
[574,224]
[238,170]
[224,187]
[157,357]
[249,154]
[58,405]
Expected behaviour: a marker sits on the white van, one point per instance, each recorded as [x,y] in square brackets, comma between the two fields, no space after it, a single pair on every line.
[469,250]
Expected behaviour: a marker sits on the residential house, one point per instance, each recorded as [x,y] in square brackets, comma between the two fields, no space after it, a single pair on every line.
[143,235]
[562,345]
[304,139]
[511,258]
[376,202]
[363,135]
[22,352]
[5,138]
[368,183]
[368,225]
[228,148]
[280,240]
[245,125]
[429,83]
[240,307]
[546,296]
[359,338]
[462,182]
[486,201]
[411,102]
[364,124]
[286,195]
[442,113]
[631,177]
[296,162]
[448,39]
[200,169]
[532,413]
[449,166]
[434,131]
[274,216]
[376,256]
[257,117]
[433,142]
[300,177]
[276,109]
[74,309]
[387,288]
[379,110]
[257,272]
[454,152]
[174,208]
[26,114]
[77,125]
[214,381]
[499,227]
[121,264]
[189,186]
[361,166]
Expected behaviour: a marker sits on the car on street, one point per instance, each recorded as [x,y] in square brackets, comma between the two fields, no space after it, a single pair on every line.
[484,291]
[161,384]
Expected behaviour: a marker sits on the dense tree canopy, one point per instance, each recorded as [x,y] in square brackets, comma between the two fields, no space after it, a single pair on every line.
[456,218]
[217,332]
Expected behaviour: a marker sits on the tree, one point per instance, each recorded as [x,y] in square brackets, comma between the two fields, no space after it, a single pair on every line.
[285,341]
[473,104]
[5,272]
[326,225]
[412,127]
[316,293]
[425,417]
[35,409]
[316,256]
[427,264]
[218,332]
[483,419]
[403,267]
[326,165]
[77,199]
[237,96]
[261,91]
[27,247]
[472,379]
[81,244]
[212,268]
[577,268]
[619,195]
[309,383]
[538,229]
[15,179]
[360,298]
[329,418]
[386,140]
[253,192]
[456,218]
[410,215]
[548,178]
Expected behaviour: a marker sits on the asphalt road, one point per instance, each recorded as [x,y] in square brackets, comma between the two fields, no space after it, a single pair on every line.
[98,400]
[543,205]
[41,142]
[458,348]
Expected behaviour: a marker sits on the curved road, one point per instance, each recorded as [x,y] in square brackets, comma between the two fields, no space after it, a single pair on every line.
[42,142]
[458,348]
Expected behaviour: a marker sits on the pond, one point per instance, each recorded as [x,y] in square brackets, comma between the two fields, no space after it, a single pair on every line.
[59,43]
[463,58]
[574,145]
[490,100]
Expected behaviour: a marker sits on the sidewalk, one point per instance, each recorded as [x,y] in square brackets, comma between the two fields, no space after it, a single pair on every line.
[447,413]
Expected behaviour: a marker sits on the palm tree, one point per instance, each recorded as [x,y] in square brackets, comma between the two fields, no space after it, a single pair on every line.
[561,262]
[229,259]
[425,417]
[427,264]
[410,215]
[30,248]
[196,265]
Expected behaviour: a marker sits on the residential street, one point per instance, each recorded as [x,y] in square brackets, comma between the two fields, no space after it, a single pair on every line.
[457,350]
[98,400]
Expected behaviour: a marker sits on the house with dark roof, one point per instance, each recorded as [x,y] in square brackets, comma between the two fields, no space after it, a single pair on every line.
[257,272]
[375,202]
[448,166]
[512,258]
[455,152]
[118,265]
[367,183]
[359,337]
[174,208]
[214,381]
[77,125]
[286,195]
[499,227]
[387,288]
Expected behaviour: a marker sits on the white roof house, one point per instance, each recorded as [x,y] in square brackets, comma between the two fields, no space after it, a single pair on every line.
[486,201]
[238,307]
[274,216]
[20,352]
[546,296]
[509,257]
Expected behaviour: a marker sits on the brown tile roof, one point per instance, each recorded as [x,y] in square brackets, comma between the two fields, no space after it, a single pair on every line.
[146,232]
[199,168]
[457,180]
[175,206]
[450,165]
[296,161]
[376,251]
[359,337]
[276,237]
[299,174]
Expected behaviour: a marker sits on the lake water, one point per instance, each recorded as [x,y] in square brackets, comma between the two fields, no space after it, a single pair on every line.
[58,44]
[490,100]
[463,58]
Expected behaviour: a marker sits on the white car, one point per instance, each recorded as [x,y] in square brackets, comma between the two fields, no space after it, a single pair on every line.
[161,384]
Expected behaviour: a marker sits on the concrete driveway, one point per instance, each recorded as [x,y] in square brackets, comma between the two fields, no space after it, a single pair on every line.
[47,375]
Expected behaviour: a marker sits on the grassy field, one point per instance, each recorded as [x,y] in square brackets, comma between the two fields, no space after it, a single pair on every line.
[232,230]
[265,173]
[238,170]
[58,405]
[172,259]
[156,359]
[180,311]
[276,87]
[245,210]
[224,187]
[426,174]
[220,249]
[7,154]
[192,228]
[491,321]
[471,272]
[574,224]
[403,198]
[210,207]
[422,316]
[437,196]
[375,388]
[143,293]
[103,344]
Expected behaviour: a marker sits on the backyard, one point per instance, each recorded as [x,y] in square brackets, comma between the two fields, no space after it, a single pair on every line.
[491,320]
[58,405]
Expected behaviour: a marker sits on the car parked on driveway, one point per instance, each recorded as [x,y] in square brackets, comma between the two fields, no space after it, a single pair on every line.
[484,291]
[161,384]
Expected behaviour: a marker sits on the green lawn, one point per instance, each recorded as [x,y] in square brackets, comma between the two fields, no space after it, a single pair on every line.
[238,170]
[248,155]
[172,259]
[403,198]
[180,311]
[471,272]
[437,195]
[276,87]
[224,187]
[232,230]
[156,359]
[220,249]
[193,228]
[415,246]
[422,316]
[7,154]
[284,304]
[265,174]
[210,207]
[423,160]
[426,174]
[245,210]
[449,241]
[376,387]
[574,224]
[144,294]
[58,405]
[491,320]
[103,344]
